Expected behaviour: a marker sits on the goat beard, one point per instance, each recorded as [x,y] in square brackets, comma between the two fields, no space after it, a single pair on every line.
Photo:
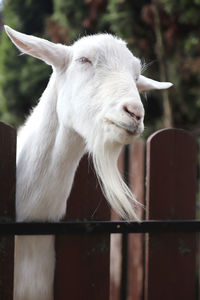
[105,159]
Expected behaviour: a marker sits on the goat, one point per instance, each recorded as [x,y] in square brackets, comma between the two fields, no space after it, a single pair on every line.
[91,104]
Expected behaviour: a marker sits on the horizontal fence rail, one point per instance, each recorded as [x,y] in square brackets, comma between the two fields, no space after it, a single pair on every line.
[153,226]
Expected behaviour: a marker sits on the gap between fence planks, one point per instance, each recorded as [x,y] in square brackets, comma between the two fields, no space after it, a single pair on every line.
[171,178]
[127,250]
[116,259]
[7,207]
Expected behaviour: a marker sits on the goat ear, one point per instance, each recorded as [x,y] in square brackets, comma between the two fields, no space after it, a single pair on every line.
[53,54]
[146,84]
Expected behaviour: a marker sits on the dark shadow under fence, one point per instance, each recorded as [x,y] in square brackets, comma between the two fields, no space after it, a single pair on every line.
[152,260]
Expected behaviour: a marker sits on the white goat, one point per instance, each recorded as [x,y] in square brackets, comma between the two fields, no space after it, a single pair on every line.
[91,104]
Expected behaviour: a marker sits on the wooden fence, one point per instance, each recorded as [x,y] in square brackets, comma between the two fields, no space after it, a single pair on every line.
[158,262]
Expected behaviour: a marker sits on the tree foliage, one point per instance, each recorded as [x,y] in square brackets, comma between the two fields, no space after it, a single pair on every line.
[22,79]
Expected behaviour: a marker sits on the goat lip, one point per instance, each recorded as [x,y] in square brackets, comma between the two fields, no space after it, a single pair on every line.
[131,130]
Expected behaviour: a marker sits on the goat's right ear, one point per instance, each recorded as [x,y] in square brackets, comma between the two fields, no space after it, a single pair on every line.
[56,55]
[147,84]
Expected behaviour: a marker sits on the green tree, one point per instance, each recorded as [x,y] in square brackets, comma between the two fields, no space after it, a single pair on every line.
[22,79]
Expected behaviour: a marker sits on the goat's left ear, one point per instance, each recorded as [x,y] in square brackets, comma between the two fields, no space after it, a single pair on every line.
[146,84]
[53,54]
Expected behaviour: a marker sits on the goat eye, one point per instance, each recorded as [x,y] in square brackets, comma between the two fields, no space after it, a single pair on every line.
[84,60]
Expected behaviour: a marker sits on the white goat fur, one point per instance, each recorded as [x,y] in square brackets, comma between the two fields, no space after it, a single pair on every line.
[91,104]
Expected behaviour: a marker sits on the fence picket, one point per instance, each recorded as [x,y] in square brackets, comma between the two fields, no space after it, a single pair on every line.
[7,207]
[82,269]
[135,241]
[171,193]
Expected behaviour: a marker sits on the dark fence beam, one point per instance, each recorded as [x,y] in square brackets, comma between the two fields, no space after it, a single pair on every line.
[98,227]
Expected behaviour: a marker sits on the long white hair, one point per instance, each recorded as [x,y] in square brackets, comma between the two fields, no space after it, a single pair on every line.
[105,159]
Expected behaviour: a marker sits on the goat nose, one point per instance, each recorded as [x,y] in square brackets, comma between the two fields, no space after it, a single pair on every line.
[135,112]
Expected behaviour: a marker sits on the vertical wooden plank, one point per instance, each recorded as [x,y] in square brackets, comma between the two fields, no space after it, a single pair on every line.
[133,280]
[116,248]
[135,241]
[171,194]
[7,207]
[83,260]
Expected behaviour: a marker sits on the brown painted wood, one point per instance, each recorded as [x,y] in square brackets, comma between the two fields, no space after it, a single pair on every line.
[83,260]
[171,194]
[135,241]
[7,207]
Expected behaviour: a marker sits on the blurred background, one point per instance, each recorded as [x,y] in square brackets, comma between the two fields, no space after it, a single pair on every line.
[164,34]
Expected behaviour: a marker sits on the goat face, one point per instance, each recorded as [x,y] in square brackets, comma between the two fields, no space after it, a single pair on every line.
[101,86]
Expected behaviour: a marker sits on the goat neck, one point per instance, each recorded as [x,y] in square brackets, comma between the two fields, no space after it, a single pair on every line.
[52,152]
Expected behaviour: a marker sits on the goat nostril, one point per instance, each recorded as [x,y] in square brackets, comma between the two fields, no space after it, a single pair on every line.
[132,114]
[138,118]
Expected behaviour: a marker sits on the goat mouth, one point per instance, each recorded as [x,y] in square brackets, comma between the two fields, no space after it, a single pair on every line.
[130,130]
